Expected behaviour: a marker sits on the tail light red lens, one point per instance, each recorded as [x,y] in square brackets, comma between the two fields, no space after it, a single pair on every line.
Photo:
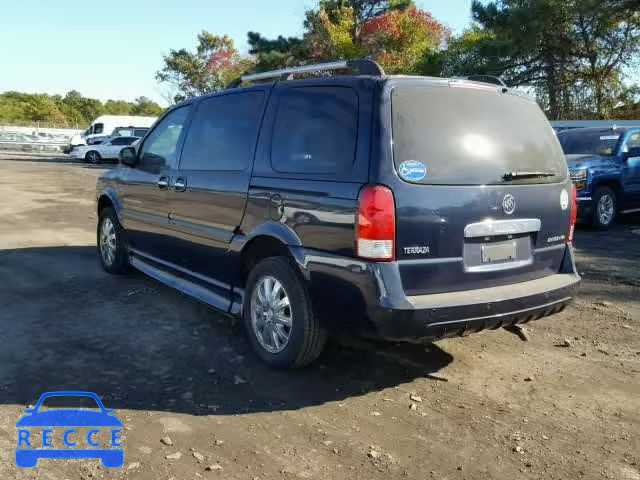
[574,214]
[376,224]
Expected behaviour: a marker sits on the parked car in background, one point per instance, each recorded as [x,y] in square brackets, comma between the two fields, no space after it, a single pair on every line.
[130,132]
[107,150]
[402,208]
[604,164]
[104,127]
[559,125]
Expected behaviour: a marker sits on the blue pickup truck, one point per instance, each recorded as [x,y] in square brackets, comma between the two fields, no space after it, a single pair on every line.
[604,163]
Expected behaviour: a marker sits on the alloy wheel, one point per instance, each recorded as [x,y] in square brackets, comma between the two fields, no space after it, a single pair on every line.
[108,241]
[605,209]
[271,315]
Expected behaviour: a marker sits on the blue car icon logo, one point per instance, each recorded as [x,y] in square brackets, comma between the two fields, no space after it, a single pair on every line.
[100,425]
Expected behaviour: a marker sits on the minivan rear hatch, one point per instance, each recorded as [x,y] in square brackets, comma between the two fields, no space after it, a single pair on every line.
[480,183]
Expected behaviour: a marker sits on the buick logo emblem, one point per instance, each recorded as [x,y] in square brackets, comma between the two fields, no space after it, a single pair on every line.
[508,204]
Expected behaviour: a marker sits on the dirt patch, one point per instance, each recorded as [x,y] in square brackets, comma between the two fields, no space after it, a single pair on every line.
[565,404]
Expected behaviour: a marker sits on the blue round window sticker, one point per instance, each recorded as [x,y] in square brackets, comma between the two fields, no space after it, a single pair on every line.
[412,170]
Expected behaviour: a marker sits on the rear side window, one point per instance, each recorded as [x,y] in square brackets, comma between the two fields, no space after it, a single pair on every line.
[223,132]
[315,130]
[98,128]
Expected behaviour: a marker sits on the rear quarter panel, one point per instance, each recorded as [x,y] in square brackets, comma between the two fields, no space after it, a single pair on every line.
[318,208]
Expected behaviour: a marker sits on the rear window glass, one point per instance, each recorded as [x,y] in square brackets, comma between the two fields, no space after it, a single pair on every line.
[464,136]
[315,131]
[590,142]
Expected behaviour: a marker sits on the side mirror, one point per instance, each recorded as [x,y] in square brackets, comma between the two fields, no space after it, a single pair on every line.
[128,157]
[633,152]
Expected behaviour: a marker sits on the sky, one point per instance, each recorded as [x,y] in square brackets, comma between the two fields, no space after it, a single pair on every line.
[112,49]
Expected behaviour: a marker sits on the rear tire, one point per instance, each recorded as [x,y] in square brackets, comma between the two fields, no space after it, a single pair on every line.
[111,243]
[93,157]
[283,337]
[605,207]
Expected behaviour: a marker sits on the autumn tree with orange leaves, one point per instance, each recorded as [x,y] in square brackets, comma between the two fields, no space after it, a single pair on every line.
[394,32]
[400,39]
[210,68]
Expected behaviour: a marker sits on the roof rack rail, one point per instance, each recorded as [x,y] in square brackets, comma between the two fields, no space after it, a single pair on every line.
[492,79]
[364,67]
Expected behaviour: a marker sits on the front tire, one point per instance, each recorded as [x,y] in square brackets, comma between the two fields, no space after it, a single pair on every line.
[111,243]
[93,157]
[605,207]
[280,320]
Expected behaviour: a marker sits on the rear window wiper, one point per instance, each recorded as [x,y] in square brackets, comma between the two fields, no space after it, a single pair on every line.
[514,175]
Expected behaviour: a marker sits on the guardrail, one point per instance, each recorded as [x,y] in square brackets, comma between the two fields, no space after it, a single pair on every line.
[33,146]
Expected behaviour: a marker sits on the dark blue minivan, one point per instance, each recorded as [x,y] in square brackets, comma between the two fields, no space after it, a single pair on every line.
[401,208]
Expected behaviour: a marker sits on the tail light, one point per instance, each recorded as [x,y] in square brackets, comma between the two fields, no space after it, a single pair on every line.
[574,214]
[376,224]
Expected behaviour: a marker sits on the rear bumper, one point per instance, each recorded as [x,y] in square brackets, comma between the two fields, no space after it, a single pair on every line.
[458,313]
[369,298]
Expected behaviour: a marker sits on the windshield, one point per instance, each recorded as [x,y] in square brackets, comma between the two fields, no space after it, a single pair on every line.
[580,142]
[464,136]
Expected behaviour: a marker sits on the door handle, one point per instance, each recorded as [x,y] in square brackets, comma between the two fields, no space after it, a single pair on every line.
[180,185]
[163,183]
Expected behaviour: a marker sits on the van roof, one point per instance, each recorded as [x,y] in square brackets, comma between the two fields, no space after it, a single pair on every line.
[366,68]
[458,81]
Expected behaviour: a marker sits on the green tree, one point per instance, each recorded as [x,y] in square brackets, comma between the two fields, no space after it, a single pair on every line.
[211,68]
[464,55]
[274,54]
[628,106]
[73,109]
[25,107]
[117,107]
[572,53]
[81,108]
[607,36]
[146,107]
[331,34]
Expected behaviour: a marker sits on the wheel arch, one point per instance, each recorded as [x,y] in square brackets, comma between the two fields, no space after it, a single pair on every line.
[259,248]
[269,239]
[108,198]
[615,185]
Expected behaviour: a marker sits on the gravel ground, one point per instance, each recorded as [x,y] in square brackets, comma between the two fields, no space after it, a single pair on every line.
[565,404]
